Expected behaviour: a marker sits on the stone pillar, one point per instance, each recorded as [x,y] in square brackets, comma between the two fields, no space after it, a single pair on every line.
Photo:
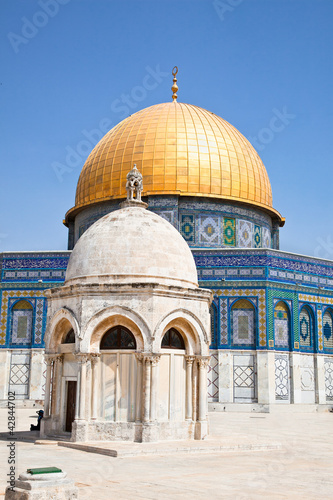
[146,405]
[82,386]
[195,392]
[189,388]
[201,424]
[154,386]
[319,371]
[58,371]
[295,378]
[203,362]
[49,364]
[226,380]
[266,377]
[138,403]
[94,385]
[36,374]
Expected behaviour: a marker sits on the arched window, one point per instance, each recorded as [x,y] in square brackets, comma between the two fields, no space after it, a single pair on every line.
[173,340]
[213,324]
[305,328]
[69,337]
[21,331]
[281,326]
[243,323]
[328,329]
[118,337]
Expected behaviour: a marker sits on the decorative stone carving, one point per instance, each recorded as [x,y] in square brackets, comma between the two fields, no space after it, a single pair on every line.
[134,185]
[203,361]
[189,360]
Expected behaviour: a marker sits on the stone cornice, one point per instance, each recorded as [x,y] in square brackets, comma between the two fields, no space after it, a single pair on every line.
[91,290]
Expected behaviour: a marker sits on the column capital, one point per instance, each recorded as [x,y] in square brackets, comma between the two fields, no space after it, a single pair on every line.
[139,356]
[59,358]
[82,358]
[152,358]
[203,361]
[94,357]
[50,358]
[189,359]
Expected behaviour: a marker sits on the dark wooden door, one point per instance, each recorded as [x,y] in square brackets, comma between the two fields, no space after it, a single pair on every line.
[70,409]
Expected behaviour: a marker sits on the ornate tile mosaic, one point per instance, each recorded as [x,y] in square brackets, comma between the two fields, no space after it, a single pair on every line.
[39,317]
[224,321]
[244,234]
[8,295]
[281,377]
[250,293]
[266,237]
[21,327]
[306,328]
[31,267]
[256,236]
[187,228]
[328,329]
[243,332]
[229,232]
[274,296]
[209,230]
[281,325]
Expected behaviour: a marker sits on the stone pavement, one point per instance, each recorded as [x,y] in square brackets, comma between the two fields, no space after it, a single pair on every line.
[302,469]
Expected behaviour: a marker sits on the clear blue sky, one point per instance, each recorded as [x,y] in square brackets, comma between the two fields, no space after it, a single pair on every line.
[244,60]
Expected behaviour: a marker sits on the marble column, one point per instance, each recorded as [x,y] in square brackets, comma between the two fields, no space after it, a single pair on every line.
[203,362]
[59,365]
[189,389]
[94,385]
[82,385]
[154,386]
[146,406]
[138,403]
[49,365]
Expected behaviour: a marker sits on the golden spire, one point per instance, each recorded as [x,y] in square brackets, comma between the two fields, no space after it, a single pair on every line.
[174,87]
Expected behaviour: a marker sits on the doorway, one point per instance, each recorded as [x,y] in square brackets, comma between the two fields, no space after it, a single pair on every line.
[70,407]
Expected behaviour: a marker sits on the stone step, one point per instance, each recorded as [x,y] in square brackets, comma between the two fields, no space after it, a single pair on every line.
[138,449]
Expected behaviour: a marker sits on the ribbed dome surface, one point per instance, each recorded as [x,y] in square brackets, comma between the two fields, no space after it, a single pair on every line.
[179,149]
[132,245]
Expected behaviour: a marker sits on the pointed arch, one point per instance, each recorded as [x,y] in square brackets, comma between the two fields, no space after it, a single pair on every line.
[58,327]
[282,338]
[306,328]
[328,328]
[243,323]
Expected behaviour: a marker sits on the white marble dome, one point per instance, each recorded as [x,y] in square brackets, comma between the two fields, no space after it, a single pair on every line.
[132,245]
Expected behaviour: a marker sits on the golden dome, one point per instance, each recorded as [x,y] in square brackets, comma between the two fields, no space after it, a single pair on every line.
[179,149]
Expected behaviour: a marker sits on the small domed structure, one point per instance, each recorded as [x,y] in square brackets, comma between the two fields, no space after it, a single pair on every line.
[129,333]
[132,245]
